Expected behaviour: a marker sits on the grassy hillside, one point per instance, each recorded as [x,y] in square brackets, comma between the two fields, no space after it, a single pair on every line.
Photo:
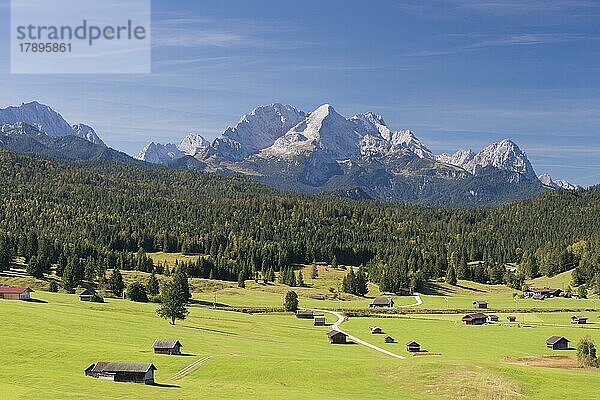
[273,353]
[560,281]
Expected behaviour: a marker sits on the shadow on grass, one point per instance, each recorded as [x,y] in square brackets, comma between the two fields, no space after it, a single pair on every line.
[186,355]
[37,301]
[165,385]
[196,302]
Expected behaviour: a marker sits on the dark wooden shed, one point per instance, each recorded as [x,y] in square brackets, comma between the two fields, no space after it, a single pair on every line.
[480,304]
[474,319]
[336,337]
[382,302]
[413,347]
[557,343]
[122,372]
[164,346]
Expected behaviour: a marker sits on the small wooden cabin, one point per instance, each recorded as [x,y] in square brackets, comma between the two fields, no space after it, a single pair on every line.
[87,295]
[511,318]
[375,330]
[406,291]
[557,343]
[305,314]
[413,347]
[15,293]
[389,339]
[480,304]
[163,346]
[319,321]
[474,319]
[382,302]
[579,319]
[122,372]
[492,318]
[336,337]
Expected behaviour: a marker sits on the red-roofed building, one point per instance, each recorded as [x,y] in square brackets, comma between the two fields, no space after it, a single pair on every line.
[14,293]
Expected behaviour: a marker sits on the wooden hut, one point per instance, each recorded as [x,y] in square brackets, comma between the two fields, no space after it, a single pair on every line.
[557,343]
[413,347]
[15,293]
[87,295]
[480,304]
[382,302]
[305,314]
[474,319]
[492,318]
[122,372]
[511,318]
[579,319]
[319,321]
[389,339]
[336,337]
[163,346]
[375,330]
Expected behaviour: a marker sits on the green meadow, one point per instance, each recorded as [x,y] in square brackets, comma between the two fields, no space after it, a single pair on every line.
[45,347]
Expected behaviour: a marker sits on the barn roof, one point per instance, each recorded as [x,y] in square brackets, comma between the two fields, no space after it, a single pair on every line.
[334,333]
[579,317]
[480,302]
[412,343]
[555,339]
[475,316]
[87,292]
[382,300]
[166,344]
[104,366]
[14,289]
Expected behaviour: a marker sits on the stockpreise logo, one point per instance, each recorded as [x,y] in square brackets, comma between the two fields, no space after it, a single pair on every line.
[83,36]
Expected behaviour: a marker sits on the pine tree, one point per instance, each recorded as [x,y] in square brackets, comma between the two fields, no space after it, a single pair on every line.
[314,273]
[241,279]
[152,286]
[136,291]
[290,301]
[451,276]
[115,283]
[300,280]
[180,281]
[362,281]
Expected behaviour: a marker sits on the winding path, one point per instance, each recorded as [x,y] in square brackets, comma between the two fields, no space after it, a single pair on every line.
[336,326]
[417,300]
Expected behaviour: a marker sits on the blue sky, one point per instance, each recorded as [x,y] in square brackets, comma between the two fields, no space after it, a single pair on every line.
[458,73]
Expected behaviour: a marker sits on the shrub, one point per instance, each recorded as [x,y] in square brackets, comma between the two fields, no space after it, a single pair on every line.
[96,298]
[290,302]
[136,291]
[53,287]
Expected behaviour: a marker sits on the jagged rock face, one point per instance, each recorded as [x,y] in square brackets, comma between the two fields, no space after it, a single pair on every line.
[157,153]
[88,133]
[193,144]
[46,120]
[558,183]
[255,131]
[460,158]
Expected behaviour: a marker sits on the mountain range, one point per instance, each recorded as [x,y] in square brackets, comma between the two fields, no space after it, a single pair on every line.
[316,152]
[359,157]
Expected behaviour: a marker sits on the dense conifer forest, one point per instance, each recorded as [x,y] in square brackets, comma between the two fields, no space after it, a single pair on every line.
[87,217]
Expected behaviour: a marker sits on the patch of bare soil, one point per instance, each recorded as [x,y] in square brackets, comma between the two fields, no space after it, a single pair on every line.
[564,362]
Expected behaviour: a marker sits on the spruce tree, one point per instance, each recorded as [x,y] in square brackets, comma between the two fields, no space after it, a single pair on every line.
[115,283]
[451,276]
[152,286]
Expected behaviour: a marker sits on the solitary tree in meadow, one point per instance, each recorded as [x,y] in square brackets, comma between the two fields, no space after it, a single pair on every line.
[586,353]
[290,301]
[173,306]
[314,273]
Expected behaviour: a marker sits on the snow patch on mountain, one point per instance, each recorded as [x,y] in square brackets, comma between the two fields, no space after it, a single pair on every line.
[193,144]
[504,155]
[88,133]
[158,153]
[324,130]
[47,121]
[255,131]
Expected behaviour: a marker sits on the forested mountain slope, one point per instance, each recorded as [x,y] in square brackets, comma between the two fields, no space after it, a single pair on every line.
[90,216]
